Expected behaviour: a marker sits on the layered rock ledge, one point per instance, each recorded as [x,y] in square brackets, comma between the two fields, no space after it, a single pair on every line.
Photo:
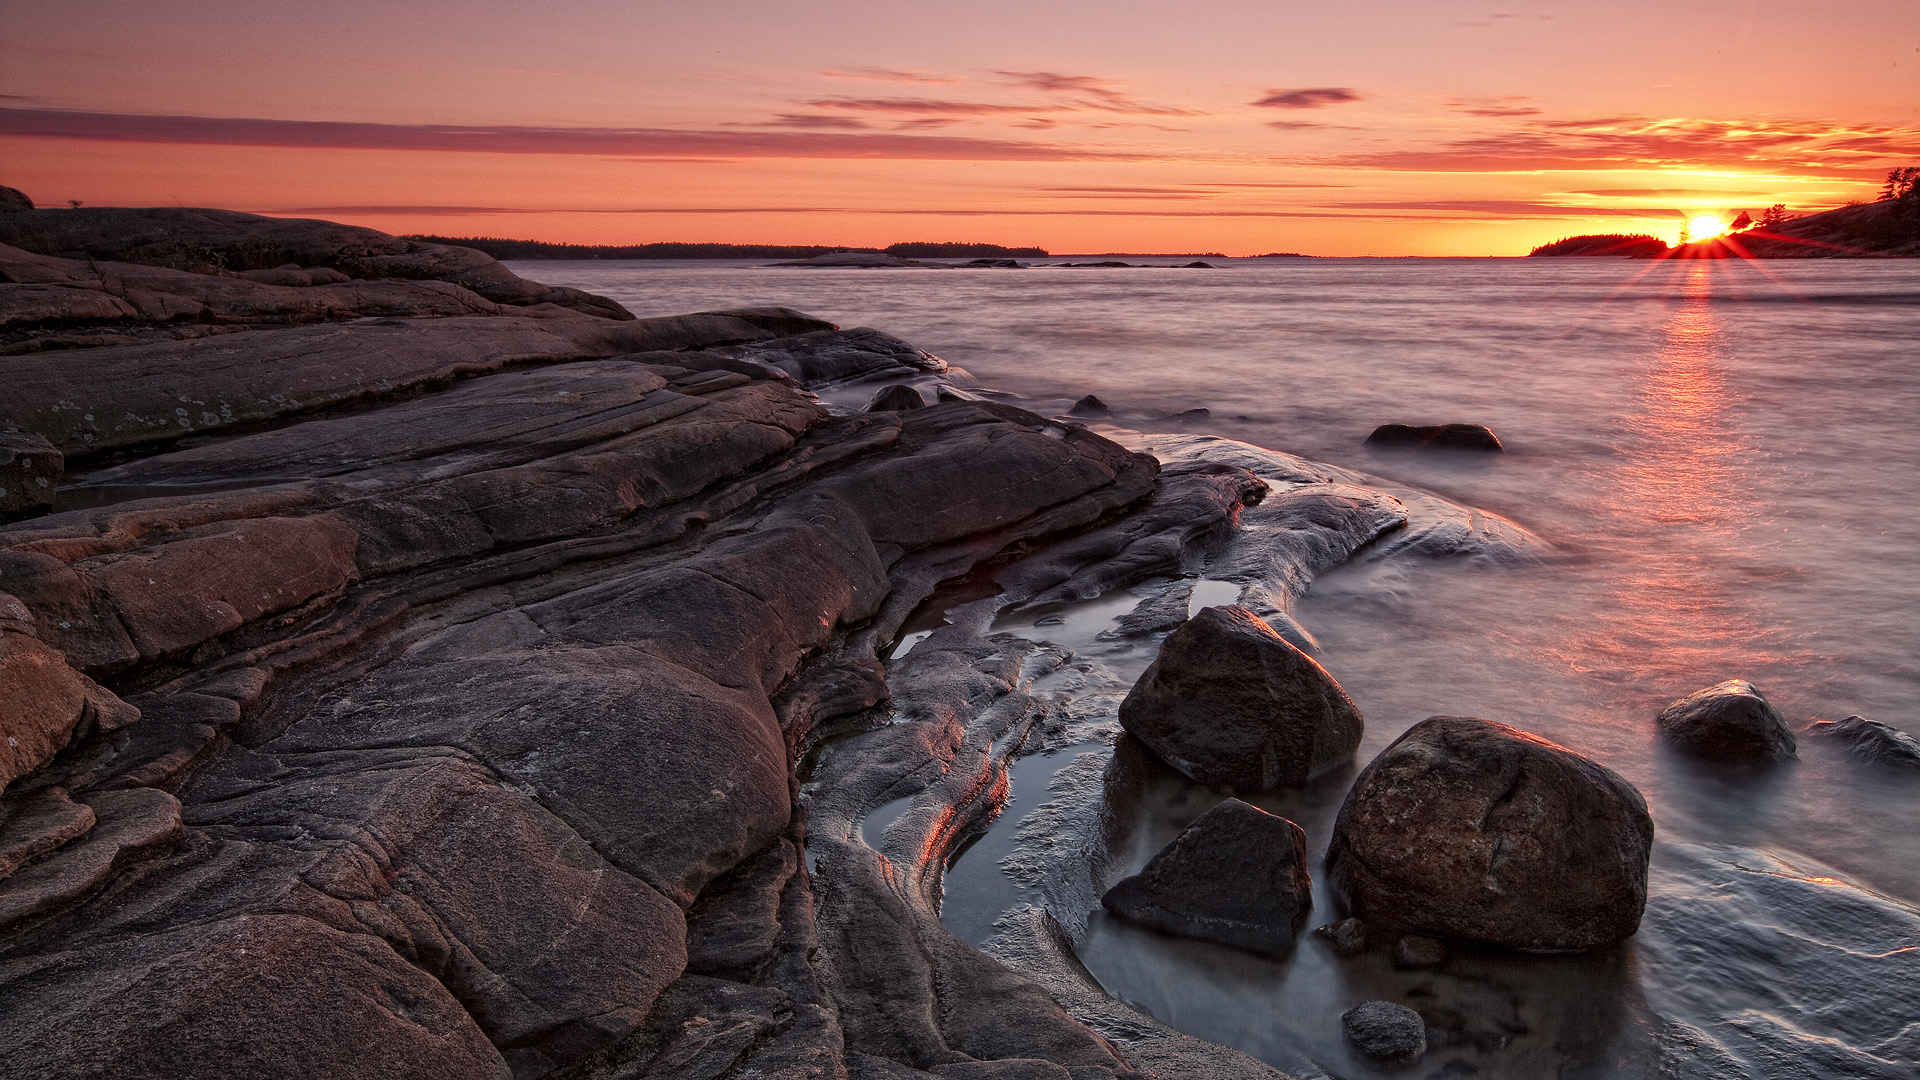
[424,672]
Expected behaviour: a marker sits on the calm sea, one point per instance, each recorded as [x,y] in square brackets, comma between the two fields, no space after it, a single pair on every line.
[1727,456]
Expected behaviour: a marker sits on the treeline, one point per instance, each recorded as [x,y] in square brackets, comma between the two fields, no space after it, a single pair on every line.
[502,248]
[1635,245]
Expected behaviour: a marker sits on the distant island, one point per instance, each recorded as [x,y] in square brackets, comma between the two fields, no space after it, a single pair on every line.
[503,248]
[1632,245]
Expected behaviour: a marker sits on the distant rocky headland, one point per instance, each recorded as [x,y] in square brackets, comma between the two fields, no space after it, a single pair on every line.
[1888,228]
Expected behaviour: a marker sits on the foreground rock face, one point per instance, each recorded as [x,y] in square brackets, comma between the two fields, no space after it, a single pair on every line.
[1437,437]
[303,743]
[1237,875]
[1230,702]
[1872,740]
[1466,828]
[1730,721]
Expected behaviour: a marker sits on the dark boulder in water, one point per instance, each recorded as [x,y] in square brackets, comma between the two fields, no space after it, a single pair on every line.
[1198,264]
[1237,875]
[1466,828]
[1089,406]
[1437,437]
[1872,739]
[897,398]
[1232,703]
[1384,1030]
[1732,721]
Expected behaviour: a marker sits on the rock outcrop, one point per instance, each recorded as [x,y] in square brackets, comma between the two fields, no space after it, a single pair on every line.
[1237,875]
[1465,828]
[1872,740]
[1731,721]
[223,241]
[1231,703]
[14,199]
[1436,437]
[1089,406]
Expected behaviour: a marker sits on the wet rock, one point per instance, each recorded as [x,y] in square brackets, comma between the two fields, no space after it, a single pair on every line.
[30,469]
[1436,437]
[1089,406]
[1872,740]
[1230,702]
[1416,951]
[1348,937]
[1730,721]
[1385,1030]
[14,199]
[1197,264]
[1186,416]
[1466,828]
[1237,875]
[897,398]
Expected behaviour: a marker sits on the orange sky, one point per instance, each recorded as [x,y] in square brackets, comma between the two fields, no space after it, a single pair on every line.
[1238,126]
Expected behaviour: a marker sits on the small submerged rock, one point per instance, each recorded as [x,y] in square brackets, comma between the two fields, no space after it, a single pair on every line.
[1385,1030]
[1437,437]
[1089,406]
[1237,875]
[1348,937]
[897,398]
[1872,739]
[1229,702]
[1414,952]
[1470,829]
[1732,721]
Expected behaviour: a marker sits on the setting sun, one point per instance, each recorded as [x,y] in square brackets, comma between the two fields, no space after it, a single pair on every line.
[1705,226]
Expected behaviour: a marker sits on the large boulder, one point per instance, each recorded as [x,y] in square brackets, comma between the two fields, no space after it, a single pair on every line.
[1237,875]
[1436,437]
[1232,703]
[1385,1030]
[1733,720]
[1466,828]
[1872,740]
[14,199]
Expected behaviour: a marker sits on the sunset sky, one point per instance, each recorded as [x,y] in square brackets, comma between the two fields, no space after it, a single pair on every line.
[1239,126]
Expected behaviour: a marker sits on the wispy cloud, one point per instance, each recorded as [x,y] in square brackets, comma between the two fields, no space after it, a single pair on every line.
[1094,92]
[813,121]
[1618,142]
[1494,107]
[1311,97]
[936,106]
[1454,212]
[881,74]
[505,139]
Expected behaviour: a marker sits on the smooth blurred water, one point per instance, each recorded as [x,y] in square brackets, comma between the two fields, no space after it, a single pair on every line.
[1726,452]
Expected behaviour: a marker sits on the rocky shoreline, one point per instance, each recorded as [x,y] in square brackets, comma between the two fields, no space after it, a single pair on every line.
[412,670]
